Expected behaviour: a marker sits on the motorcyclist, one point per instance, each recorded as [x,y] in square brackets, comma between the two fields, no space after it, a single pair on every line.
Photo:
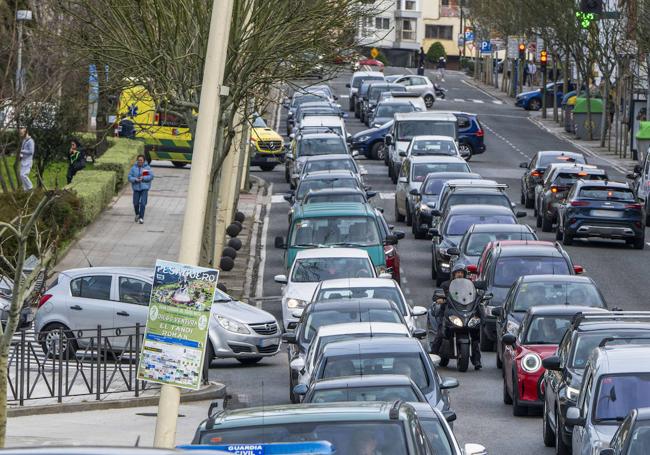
[458,271]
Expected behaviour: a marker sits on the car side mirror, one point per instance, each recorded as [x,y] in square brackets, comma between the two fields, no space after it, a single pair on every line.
[300,389]
[418,311]
[574,417]
[450,416]
[280,244]
[288,198]
[435,212]
[388,139]
[551,363]
[578,269]
[474,449]
[435,359]
[521,214]
[523,165]
[370,194]
[481,285]
[420,334]
[289,337]
[347,85]
[453,251]
[391,239]
[496,312]
[399,234]
[297,313]
[607,451]
[282,279]
[448,383]
[297,364]
[414,192]
[509,339]
[402,153]
[433,232]
[403,180]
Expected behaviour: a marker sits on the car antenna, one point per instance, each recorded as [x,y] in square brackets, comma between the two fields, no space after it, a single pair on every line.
[137,441]
[85,256]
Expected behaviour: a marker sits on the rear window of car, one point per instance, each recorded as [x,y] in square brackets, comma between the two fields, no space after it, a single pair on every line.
[459,224]
[587,342]
[476,242]
[357,81]
[508,269]
[600,193]
[617,395]
[569,178]
[546,159]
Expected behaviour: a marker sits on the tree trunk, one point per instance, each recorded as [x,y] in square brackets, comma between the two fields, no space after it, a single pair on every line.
[4,361]
[604,120]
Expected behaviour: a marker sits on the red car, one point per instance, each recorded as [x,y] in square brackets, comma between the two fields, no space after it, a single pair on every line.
[369,64]
[539,336]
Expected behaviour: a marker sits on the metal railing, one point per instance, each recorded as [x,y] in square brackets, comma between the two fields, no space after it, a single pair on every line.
[61,364]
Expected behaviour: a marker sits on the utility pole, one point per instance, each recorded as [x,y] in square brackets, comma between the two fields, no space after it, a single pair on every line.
[197,193]
[22,16]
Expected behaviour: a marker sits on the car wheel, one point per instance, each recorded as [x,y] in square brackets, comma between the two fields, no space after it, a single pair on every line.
[517,409]
[647,218]
[534,105]
[522,199]
[560,447]
[538,220]
[287,177]
[499,362]
[398,217]
[179,164]
[428,101]
[528,202]
[567,238]
[466,151]
[52,343]
[417,233]
[249,360]
[547,225]
[353,101]
[487,345]
[639,243]
[507,399]
[409,217]
[377,151]
[547,433]
[434,273]
[267,167]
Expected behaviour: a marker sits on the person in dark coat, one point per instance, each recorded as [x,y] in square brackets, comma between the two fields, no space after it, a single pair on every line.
[421,58]
[76,159]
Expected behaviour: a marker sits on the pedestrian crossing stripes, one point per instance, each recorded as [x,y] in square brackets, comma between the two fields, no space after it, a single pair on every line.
[461,100]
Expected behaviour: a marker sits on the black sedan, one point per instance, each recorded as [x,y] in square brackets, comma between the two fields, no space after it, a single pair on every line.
[535,171]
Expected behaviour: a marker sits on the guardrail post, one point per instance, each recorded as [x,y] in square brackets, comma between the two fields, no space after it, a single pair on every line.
[21,365]
[99,363]
[59,397]
[137,358]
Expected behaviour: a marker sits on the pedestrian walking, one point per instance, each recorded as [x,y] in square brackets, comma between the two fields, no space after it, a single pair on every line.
[140,177]
[526,74]
[27,149]
[76,159]
[442,65]
[421,57]
[532,72]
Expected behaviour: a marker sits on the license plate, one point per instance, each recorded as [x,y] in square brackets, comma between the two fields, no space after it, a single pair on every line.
[269,342]
[607,213]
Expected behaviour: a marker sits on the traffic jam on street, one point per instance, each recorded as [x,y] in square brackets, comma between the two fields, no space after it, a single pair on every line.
[446,266]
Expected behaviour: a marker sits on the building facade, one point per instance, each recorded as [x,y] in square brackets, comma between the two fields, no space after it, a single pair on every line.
[442,22]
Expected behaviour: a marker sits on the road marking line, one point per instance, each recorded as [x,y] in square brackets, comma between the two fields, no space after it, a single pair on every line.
[459,100]
[478,101]
[404,280]
[386,195]
[344,96]
[407,291]
[277,198]
[259,290]
[497,101]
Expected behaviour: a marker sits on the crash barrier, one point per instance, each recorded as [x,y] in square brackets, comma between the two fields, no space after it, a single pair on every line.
[60,364]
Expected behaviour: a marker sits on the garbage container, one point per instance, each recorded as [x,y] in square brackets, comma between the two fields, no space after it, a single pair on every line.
[580,118]
[568,103]
[643,140]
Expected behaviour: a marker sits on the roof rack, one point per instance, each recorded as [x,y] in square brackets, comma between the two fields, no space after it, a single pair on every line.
[611,316]
[608,340]
[393,414]
[469,184]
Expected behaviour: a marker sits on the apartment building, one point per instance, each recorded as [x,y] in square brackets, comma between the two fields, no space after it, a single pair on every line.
[442,22]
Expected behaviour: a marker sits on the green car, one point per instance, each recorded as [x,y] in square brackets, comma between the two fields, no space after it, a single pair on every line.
[343,224]
[351,428]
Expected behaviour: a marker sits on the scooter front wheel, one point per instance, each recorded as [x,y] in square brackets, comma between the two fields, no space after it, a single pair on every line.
[463,357]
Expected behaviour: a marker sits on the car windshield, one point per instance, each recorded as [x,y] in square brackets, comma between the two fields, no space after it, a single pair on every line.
[640,440]
[321,146]
[258,122]
[384,293]
[344,315]
[333,230]
[420,170]
[388,110]
[307,98]
[339,164]
[483,199]
[433,147]
[408,129]
[546,159]
[617,395]
[332,197]
[377,393]
[349,437]
[319,269]
[357,81]
[477,241]
[436,436]
[508,269]
[405,363]
[459,224]
[325,184]
[607,194]
[547,329]
[545,293]
[586,342]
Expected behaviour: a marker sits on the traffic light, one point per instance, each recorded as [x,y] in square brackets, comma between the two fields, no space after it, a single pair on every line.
[585,19]
[543,59]
[591,6]
[522,51]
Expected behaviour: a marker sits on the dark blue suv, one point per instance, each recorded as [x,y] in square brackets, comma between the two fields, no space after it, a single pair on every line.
[371,142]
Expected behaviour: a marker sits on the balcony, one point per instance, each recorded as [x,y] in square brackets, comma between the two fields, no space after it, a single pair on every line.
[407,14]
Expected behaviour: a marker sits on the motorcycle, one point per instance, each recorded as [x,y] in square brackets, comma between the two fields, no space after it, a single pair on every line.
[461,323]
[440,92]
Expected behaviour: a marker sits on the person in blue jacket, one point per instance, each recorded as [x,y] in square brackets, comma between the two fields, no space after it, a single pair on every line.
[140,177]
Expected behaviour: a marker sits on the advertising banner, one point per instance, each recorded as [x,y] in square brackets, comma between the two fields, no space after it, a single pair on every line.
[177,324]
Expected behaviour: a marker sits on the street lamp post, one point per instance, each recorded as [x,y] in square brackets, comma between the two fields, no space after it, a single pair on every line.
[21,17]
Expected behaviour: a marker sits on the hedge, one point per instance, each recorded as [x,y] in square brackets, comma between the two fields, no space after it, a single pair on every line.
[119,158]
[95,190]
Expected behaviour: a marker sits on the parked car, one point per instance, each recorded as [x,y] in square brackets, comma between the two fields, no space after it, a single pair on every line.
[641,184]
[370,143]
[601,209]
[565,369]
[532,100]
[538,337]
[118,297]
[266,148]
[534,173]
[420,85]
[314,265]
[502,263]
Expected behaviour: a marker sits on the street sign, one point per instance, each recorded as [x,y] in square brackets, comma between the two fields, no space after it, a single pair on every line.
[486,47]
[177,324]
[513,46]
[469,35]
[374,52]
[461,39]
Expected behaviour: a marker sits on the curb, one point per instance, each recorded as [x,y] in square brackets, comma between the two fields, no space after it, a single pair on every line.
[212,392]
[257,226]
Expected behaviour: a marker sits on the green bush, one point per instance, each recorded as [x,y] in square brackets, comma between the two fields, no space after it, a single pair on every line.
[435,51]
[95,190]
[54,175]
[119,158]
[382,58]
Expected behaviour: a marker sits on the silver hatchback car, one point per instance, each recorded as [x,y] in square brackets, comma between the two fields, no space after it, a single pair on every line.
[82,299]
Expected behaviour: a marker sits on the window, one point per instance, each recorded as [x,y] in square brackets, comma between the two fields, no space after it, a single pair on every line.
[410,5]
[134,291]
[463,122]
[408,29]
[92,287]
[444,32]
[382,23]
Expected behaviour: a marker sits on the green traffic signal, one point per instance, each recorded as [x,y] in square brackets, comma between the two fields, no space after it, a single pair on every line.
[585,19]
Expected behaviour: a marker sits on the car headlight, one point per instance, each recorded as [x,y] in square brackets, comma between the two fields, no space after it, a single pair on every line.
[474,322]
[512,327]
[531,363]
[444,266]
[295,303]
[458,322]
[362,138]
[572,393]
[232,326]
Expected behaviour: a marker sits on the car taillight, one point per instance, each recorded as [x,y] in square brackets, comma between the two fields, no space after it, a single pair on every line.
[157,118]
[44,299]
[536,174]
[579,203]
[634,206]
[480,133]
[554,189]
